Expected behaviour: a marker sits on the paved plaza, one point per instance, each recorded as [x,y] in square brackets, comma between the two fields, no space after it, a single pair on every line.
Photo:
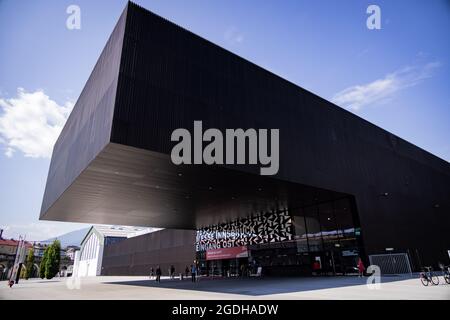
[394,287]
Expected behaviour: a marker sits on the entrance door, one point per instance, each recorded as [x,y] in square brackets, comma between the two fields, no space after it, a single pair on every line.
[225,268]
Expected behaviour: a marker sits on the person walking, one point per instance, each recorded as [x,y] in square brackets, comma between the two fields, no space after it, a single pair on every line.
[186,271]
[152,273]
[361,268]
[193,273]
[158,274]
[172,272]
[316,267]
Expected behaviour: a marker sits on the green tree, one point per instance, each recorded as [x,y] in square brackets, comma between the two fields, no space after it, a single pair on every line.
[43,264]
[30,263]
[53,260]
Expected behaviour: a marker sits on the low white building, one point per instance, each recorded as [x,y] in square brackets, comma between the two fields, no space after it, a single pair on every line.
[88,260]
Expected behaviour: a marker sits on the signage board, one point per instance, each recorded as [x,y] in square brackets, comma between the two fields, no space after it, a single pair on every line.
[227,253]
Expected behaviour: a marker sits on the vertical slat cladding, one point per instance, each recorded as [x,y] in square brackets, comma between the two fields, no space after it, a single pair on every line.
[171,77]
[88,128]
[164,248]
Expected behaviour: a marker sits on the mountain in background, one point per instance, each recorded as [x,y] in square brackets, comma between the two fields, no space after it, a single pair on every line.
[73,238]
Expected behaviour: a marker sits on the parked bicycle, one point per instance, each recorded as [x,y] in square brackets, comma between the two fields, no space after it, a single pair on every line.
[446,273]
[427,276]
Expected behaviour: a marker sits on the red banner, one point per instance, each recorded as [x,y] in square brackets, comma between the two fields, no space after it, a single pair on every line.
[227,253]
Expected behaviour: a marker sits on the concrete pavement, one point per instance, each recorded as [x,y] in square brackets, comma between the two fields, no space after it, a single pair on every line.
[223,289]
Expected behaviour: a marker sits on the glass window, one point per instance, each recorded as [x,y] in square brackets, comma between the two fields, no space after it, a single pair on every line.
[328,225]
[345,223]
[300,230]
[313,228]
[343,214]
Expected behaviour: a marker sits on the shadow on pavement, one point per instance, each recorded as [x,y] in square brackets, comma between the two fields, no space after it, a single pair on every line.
[258,286]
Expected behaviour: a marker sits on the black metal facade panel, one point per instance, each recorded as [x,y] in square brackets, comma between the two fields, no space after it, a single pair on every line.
[154,77]
[88,129]
[170,77]
[132,186]
[135,256]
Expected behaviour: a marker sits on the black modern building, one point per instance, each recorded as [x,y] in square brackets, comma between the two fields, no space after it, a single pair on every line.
[164,248]
[345,187]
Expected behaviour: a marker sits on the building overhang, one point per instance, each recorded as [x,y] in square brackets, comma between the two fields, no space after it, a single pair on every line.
[129,186]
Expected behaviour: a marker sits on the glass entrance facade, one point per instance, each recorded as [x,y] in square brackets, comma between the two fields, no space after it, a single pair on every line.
[319,239]
[329,235]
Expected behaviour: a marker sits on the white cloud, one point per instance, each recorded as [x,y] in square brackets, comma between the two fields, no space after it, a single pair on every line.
[9,152]
[358,96]
[31,122]
[233,36]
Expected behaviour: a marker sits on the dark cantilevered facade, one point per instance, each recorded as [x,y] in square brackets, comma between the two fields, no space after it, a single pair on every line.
[111,163]
[137,255]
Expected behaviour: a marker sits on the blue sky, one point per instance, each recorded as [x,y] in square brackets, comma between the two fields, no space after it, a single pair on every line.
[397,77]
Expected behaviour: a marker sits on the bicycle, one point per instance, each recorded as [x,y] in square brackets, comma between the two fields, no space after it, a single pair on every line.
[427,276]
[446,273]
